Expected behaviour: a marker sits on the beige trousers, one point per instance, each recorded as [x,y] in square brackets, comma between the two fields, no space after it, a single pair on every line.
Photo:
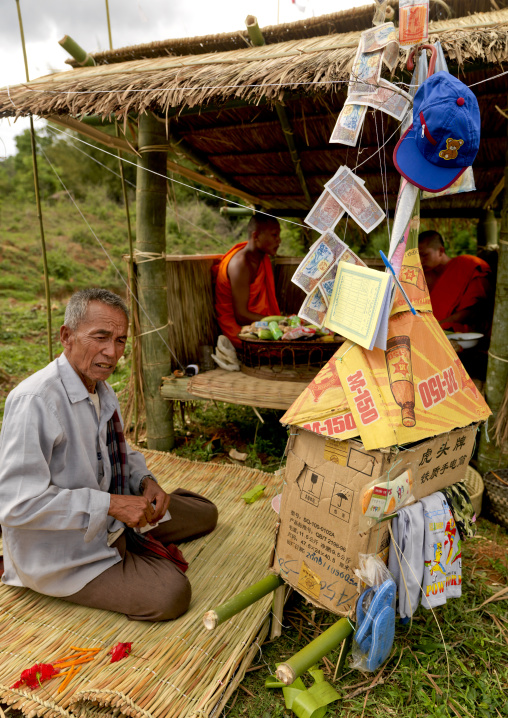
[147,587]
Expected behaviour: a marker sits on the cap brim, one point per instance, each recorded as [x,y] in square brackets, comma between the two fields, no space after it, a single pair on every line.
[416,169]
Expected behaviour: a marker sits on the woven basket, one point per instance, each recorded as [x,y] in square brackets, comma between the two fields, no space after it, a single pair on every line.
[474,485]
[496,489]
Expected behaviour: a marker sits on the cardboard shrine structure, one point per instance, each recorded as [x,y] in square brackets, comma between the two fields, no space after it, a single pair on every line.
[367,418]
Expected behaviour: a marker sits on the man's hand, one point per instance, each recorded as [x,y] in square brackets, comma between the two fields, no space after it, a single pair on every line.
[134,511]
[153,492]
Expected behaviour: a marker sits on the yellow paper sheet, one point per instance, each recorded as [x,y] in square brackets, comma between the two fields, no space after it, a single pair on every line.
[357,301]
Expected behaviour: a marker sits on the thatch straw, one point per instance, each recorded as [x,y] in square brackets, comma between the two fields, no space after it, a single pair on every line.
[250,74]
[176,669]
[235,387]
[190,305]
[351,20]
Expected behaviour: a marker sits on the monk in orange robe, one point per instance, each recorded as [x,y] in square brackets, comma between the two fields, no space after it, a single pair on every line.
[461,290]
[244,284]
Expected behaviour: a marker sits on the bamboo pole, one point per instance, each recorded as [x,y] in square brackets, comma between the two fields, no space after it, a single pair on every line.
[132,274]
[238,603]
[257,39]
[152,282]
[314,651]
[491,456]
[82,57]
[38,199]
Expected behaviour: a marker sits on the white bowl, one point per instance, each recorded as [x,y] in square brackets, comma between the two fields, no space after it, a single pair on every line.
[466,340]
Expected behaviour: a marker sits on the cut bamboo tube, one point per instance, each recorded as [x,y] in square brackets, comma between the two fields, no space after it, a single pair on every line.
[314,651]
[242,600]
[82,57]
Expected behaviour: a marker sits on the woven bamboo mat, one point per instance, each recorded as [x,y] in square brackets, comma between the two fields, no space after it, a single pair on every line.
[177,669]
[235,387]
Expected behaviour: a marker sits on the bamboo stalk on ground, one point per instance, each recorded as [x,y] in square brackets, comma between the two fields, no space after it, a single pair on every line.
[242,600]
[314,651]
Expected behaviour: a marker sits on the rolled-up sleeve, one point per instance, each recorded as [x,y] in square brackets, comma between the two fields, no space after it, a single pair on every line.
[29,496]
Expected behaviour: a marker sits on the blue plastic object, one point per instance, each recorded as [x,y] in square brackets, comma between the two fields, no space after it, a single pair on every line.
[376,625]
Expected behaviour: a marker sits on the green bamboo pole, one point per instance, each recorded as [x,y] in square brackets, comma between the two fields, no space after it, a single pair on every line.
[242,600]
[38,199]
[237,211]
[76,51]
[314,651]
[152,282]
[490,456]
[132,275]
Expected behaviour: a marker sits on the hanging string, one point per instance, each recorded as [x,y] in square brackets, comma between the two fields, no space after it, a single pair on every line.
[184,184]
[122,278]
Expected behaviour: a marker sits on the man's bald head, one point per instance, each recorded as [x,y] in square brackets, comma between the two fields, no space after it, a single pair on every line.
[432,251]
[264,234]
[431,239]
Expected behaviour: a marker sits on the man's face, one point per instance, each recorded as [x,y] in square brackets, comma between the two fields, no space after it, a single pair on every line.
[93,350]
[267,239]
[430,257]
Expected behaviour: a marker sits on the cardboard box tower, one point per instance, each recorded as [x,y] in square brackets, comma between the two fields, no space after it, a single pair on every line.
[370,416]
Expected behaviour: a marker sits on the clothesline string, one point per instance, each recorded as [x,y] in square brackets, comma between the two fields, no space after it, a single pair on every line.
[154,328]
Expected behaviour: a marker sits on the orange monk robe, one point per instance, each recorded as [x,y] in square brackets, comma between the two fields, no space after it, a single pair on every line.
[464,284]
[262,299]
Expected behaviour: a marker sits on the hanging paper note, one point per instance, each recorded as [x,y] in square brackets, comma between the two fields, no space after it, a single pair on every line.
[325,214]
[314,308]
[413,21]
[349,190]
[360,305]
[322,255]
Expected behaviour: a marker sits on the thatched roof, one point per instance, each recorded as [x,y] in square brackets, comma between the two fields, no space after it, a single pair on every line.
[352,20]
[219,106]
[310,67]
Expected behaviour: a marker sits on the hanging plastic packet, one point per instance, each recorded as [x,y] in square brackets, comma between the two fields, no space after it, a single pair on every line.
[375,615]
[275,331]
[383,497]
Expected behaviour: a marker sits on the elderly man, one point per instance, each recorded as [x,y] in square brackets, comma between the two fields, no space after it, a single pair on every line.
[75,498]
[245,287]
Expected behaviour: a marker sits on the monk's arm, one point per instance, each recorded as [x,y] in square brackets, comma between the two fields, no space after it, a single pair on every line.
[239,278]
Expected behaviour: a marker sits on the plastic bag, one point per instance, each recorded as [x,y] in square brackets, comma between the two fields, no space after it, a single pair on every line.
[375,615]
[383,497]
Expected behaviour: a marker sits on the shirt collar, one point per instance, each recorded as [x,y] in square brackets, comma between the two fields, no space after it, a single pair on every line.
[77,391]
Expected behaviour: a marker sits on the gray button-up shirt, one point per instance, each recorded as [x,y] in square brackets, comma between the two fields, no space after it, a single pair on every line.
[54,501]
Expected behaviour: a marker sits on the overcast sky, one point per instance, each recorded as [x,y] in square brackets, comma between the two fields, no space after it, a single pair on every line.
[132,21]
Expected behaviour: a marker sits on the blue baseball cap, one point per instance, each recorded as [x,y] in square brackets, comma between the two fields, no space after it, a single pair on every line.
[444,138]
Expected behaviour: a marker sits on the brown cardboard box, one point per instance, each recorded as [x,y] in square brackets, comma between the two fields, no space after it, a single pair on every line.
[318,541]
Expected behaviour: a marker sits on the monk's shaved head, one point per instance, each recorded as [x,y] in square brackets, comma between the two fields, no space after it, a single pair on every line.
[258,222]
[431,239]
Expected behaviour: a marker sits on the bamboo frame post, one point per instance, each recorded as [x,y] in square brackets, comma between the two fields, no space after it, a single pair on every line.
[314,651]
[279,597]
[242,600]
[38,199]
[152,282]
[490,455]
